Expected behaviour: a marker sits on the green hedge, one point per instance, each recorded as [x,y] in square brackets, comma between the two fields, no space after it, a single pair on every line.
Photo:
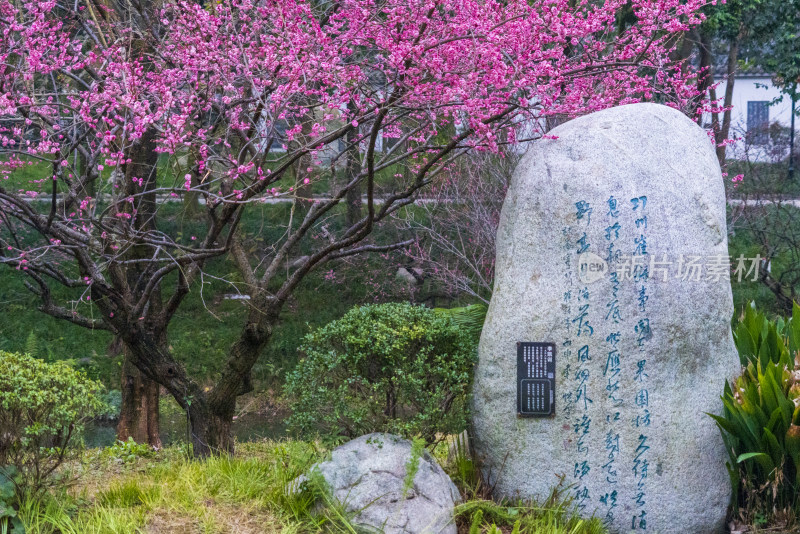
[393,368]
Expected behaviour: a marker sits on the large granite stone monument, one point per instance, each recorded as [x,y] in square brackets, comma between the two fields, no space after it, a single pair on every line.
[608,335]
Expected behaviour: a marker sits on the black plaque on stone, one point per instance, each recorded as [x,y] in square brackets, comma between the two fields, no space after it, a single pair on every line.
[536,379]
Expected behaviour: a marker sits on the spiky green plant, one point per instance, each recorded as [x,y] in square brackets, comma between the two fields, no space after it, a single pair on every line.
[469,319]
[760,421]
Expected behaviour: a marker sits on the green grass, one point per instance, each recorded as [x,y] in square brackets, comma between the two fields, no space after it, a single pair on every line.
[169,493]
[242,494]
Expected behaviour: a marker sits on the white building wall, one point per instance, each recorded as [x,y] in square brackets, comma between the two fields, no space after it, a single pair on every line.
[747,89]
[755,89]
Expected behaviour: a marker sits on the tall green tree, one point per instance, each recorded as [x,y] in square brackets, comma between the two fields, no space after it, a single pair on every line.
[782,57]
[742,28]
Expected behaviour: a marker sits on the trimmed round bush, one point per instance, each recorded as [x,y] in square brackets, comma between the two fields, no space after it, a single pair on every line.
[394,368]
[42,409]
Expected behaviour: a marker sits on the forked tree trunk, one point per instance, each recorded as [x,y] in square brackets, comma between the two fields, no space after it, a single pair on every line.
[211,415]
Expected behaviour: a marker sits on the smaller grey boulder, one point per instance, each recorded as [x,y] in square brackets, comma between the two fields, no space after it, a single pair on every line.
[411,276]
[297,262]
[367,476]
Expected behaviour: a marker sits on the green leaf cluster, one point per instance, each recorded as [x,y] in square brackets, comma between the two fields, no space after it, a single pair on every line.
[9,520]
[761,418]
[128,451]
[394,368]
[42,409]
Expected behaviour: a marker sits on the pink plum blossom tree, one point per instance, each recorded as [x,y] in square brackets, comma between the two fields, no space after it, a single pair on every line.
[250,102]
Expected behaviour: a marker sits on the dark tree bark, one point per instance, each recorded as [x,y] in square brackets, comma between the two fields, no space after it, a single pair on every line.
[139,414]
[236,378]
[706,78]
[725,127]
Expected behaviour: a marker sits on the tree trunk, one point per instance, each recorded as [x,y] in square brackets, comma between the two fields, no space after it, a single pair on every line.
[706,78]
[211,428]
[353,169]
[682,49]
[211,418]
[148,352]
[210,414]
[725,128]
[139,415]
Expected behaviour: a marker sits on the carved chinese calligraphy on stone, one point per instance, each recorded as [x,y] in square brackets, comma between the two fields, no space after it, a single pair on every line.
[590,220]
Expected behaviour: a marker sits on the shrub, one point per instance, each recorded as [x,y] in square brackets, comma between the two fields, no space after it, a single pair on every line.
[761,419]
[393,368]
[42,408]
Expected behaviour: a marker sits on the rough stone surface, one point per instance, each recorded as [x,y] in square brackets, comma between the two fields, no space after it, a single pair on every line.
[630,433]
[413,276]
[367,474]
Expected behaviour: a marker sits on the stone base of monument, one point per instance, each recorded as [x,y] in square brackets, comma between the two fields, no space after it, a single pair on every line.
[608,338]
[367,477]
